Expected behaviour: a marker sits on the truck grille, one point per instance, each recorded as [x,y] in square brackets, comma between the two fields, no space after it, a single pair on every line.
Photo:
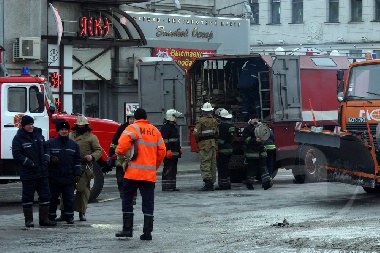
[361,128]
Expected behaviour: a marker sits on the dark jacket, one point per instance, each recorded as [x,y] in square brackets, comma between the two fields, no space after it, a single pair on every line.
[115,139]
[65,160]
[32,153]
[170,136]
[226,137]
[252,146]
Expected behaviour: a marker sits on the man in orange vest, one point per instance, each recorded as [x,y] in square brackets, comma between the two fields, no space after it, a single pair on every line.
[140,173]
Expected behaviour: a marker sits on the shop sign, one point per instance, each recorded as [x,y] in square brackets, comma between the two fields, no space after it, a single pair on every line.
[183,56]
[92,26]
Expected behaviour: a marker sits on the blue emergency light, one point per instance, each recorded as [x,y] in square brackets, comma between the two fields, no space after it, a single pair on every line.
[25,71]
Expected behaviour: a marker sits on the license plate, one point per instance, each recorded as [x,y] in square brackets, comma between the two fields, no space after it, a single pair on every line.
[356,120]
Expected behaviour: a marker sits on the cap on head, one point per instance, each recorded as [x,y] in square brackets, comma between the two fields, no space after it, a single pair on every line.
[254,116]
[172,114]
[130,114]
[225,114]
[61,125]
[217,111]
[26,120]
[207,107]
[81,121]
[140,114]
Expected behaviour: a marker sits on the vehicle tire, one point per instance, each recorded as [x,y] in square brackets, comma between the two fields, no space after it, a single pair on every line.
[369,190]
[309,165]
[97,183]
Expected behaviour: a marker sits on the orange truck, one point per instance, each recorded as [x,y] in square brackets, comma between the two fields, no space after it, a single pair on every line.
[350,152]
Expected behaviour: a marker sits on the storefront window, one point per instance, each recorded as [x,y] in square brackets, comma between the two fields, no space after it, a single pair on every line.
[86,97]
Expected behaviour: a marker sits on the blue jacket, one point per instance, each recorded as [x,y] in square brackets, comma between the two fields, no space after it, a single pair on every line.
[32,153]
[65,160]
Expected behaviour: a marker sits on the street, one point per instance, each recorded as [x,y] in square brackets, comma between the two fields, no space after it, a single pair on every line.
[322,217]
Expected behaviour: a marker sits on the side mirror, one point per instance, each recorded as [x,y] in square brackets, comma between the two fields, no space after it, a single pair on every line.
[340,91]
[52,109]
[340,74]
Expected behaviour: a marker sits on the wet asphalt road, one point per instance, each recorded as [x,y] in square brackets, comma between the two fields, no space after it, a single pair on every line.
[323,217]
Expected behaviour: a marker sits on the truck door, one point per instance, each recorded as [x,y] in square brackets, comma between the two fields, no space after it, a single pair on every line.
[286,89]
[16,101]
[162,86]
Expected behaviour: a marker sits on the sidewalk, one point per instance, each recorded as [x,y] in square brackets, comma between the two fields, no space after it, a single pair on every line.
[187,164]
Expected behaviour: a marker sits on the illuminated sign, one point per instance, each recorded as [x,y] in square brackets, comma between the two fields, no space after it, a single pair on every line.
[55,80]
[58,103]
[183,56]
[92,26]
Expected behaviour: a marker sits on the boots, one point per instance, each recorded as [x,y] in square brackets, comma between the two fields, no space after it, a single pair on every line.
[44,217]
[148,228]
[28,214]
[62,217]
[82,216]
[127,226]
[209,186]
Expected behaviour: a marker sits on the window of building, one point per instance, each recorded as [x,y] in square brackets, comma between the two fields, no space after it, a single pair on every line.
[297,11]
[275,11]
[333,11]
[86,97]
[255,11]
[355,52]
[356,10]
[377,10]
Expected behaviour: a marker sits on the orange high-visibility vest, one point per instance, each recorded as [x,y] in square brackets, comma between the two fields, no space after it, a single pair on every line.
[151,150]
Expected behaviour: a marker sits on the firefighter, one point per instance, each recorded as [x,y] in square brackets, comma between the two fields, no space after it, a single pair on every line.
[141,172]
[205,132]
[271,152]
[64,171]
[170,136]
[225,138]
[32,153]
[90,152]
[255,155]
[217,113]
[112,150]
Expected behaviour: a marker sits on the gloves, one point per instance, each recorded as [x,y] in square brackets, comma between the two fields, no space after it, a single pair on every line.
[180,151]
[54,159]
[169,154]
[77,178]
[109,161]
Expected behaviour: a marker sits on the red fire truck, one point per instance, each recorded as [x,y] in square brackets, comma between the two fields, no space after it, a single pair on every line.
[31,95]
[292,89]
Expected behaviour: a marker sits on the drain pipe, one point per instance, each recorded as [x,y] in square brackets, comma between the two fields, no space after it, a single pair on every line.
[4,70]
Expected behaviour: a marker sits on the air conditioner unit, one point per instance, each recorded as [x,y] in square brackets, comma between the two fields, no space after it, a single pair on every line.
[27,48]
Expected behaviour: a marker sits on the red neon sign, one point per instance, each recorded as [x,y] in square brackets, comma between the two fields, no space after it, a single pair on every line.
[55,80]
[91,26]
[58,103]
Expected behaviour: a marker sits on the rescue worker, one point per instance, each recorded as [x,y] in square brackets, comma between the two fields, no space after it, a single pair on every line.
[64,171]
[90,152]
[271,153]
[217,113]
[225,139]
[141,172]
[112,153]
[31,151]
[170,136]
[255,155]
[205,132]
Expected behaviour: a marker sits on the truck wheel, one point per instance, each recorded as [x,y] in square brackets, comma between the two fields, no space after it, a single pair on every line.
[97,183]
[369,190]
[309,165]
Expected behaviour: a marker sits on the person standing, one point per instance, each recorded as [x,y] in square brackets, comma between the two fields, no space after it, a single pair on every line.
[64,171]
[225,139]
[112,152]
[255,155]
[271,153]
[170,136]
[205,132]
[90,152]
[31,151]
[141,171]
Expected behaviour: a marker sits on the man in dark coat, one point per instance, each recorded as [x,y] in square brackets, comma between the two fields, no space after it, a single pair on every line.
[32,153]
[64,171]
[170,136]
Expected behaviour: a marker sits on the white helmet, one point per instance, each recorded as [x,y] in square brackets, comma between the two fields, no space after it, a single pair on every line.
[172,114]
[225,114]
[207,107]
[130,114]
[217,111]
[82,120]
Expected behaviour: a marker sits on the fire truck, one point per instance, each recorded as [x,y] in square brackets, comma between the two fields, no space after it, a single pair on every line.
[31,95]
[292,89]
[350,152]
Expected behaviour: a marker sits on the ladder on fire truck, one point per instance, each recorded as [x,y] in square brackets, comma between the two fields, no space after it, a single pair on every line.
[264,92]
